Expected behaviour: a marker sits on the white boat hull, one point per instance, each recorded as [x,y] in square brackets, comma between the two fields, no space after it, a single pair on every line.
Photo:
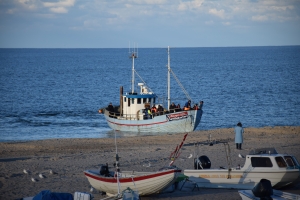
[145,183]
[218,178]
[179,122]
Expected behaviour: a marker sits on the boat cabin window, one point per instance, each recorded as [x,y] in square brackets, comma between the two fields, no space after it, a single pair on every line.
[289,161]
[128,102]
[295,161]
[280,161]
[153,100]
[124,99]
[144,100]
[261,162]
[149,100]
[139,101]
[132,100]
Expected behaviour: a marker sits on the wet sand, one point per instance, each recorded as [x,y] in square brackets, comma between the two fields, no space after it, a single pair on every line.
[68,158]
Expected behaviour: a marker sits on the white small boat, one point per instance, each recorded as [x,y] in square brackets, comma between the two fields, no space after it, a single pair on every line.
[144,183]
[132,115]
[280,169]
[264,190]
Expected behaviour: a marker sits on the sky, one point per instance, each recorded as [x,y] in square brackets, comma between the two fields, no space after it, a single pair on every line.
[148,23]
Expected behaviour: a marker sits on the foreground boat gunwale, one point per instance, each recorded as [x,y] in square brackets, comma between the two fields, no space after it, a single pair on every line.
[150,175]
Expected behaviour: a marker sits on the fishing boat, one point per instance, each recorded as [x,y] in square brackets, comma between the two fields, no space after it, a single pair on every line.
[144,183]
[280,169]
[140,112]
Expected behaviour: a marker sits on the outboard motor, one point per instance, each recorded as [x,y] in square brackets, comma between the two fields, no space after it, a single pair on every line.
[104,170]
[263,190]
[202,162]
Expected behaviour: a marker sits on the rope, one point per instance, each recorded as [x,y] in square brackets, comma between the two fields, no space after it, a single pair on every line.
[177,80]
[143,81]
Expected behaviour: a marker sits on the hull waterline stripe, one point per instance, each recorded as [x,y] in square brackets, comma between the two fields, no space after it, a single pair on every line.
[128,179]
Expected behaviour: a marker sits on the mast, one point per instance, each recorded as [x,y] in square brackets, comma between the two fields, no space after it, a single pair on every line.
[132,80]
[121,100]
[169,69]
[132,55]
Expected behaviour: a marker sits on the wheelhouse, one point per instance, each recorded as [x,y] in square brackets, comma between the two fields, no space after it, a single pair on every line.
[269,158]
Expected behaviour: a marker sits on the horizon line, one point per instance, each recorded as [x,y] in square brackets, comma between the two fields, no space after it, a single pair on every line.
[143,47]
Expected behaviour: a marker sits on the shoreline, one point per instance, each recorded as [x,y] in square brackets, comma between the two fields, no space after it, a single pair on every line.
[110,134]
[70,157]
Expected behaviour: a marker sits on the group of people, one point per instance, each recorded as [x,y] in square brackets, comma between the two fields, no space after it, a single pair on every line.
[150,113]
[174,108]
[187,106]
[155,110]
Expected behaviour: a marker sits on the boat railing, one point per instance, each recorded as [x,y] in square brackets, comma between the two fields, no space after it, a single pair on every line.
[117,115]
[141,116]
[175,110]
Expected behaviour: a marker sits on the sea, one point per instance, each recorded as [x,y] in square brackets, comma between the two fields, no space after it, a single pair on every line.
[56,93]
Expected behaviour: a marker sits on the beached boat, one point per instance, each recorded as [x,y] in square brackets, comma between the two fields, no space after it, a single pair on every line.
[143,183]
[264,190]
[136,112]
[280,169]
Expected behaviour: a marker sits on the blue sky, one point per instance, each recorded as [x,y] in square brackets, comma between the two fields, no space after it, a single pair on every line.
[150,23]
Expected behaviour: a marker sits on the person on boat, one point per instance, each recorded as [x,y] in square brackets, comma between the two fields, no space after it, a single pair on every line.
[239,131]
[187,107]
[178,107]
[160,110]
[188,104]
[153,110]
[172,107]
[201,105]
[195,107]
[148,113]
[110,108]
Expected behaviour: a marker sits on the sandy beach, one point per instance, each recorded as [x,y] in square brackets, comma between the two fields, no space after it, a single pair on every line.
[68,158]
